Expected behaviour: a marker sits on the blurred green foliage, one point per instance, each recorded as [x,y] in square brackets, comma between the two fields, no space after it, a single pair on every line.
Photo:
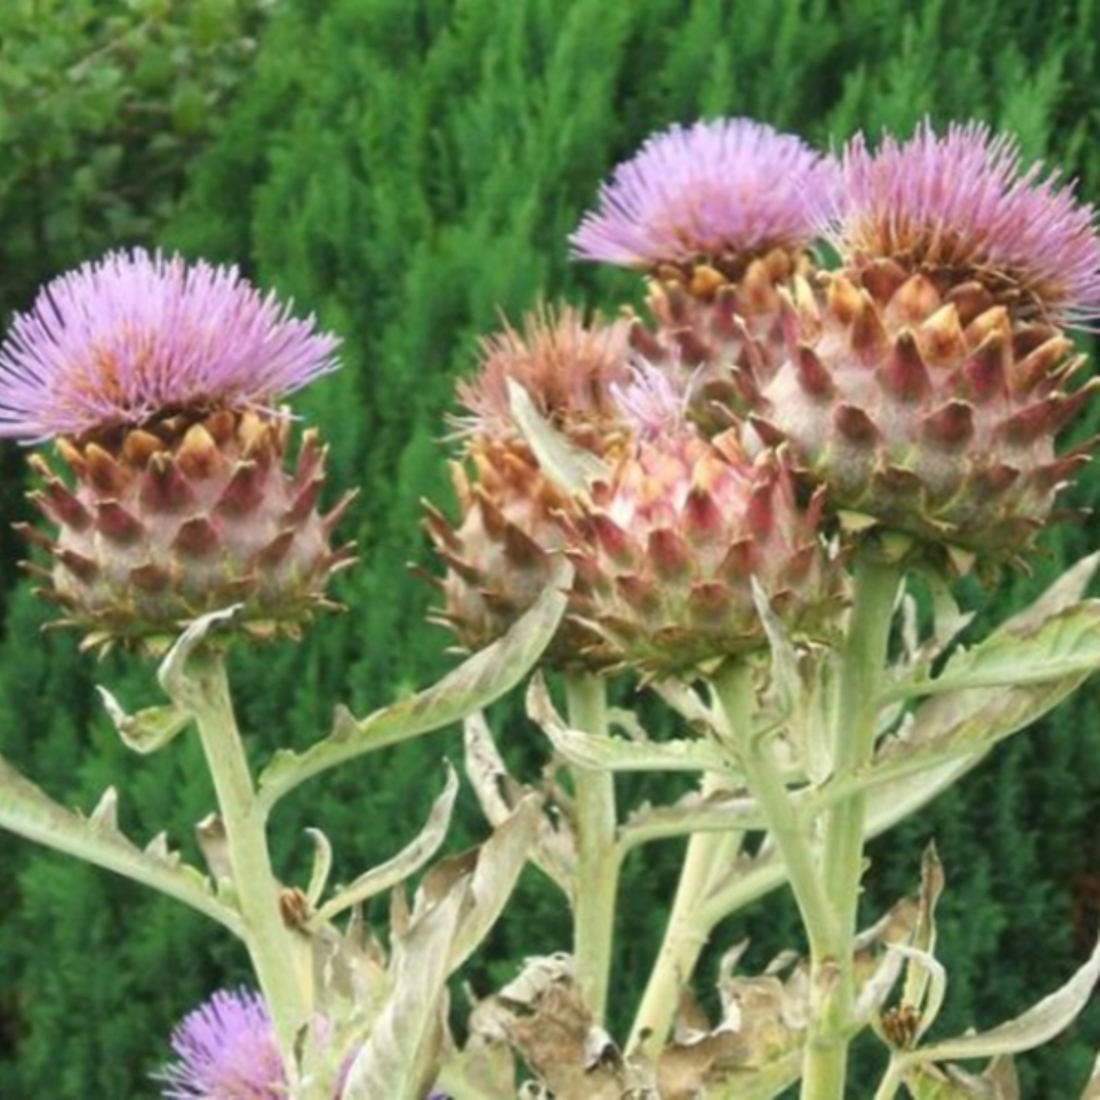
[410,169]
[104,104]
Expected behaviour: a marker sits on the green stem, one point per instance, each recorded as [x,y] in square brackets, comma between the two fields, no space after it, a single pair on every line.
[597,850]
[853,742]
[686,934]
[787,826]
[891,1082]
[280,955]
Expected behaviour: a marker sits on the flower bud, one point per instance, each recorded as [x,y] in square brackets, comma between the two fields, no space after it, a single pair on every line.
[673,541]
[512,516]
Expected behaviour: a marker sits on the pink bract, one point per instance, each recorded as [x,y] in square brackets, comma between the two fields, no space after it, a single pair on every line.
[965,200]
[708,191]
[134,336]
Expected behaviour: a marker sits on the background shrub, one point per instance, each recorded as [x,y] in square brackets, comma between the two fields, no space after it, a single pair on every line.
[410,169]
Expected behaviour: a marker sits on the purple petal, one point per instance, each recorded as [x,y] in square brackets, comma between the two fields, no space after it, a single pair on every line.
[714,189]
[964,198]
[134,336]
[226,1048]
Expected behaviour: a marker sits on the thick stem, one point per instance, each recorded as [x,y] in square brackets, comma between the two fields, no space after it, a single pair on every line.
[687,932]
[791,833]
[853,742]
[597,851]
[280,955]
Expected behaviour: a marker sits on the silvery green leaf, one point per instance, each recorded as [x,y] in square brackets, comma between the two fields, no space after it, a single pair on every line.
[484,1069]
[918,978]
[604,753]
[1066,591]
[1038,1025]
[572,467]
[400,1057]
[719,811]
[555,849]
[627,721]
[407,862]
[29,812]
[492,877]
[925,969]
[948,621]
[456,905]
[104,817]
[322,866]
[968,722]
[878,986]
[158,849]
[686,701]
[786,682]
[149,729]
[497,791]
[172,674]
[476,683]
[1062,597]
[998,1082]
[1065,644]
[796,697]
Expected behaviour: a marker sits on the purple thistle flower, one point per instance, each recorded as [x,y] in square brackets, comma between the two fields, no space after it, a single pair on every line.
[226,1050]
[713,191]
[964,201]
[132,336]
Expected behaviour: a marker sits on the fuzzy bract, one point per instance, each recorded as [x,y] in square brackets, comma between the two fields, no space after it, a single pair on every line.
[566,365]
[668,549]
[166,523]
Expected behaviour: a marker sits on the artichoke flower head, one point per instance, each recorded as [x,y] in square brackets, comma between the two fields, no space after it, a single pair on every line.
[158,381]
[925,381]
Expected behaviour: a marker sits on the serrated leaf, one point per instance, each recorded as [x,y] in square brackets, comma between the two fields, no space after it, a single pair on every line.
[493,872]
[104,818]
[1067,590]
[686,702]
[959,726]
[149,729]
[472,686]
[1038,1025]
[928,972]
[603,753]
[29,812]
[398,1059]
[998,1082]
[555,850]
[456,905]
[1067,643]
[407,862]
